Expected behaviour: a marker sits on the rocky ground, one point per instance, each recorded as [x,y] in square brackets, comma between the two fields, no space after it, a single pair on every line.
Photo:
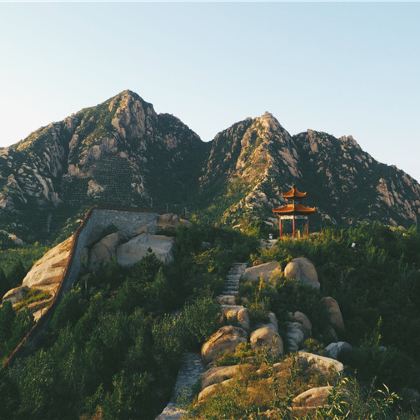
[238,331]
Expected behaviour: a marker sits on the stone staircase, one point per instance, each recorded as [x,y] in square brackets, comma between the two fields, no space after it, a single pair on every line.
[189,374]
[192,366]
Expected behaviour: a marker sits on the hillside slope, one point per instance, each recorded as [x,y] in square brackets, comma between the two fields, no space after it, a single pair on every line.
[122,153]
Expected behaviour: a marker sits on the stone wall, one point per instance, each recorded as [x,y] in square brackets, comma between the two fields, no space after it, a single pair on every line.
[96,221]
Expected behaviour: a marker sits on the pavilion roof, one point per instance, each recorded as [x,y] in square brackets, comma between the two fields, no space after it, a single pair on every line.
[298,209]
[294,193]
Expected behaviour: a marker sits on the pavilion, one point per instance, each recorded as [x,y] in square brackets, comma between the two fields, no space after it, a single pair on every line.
[294,211]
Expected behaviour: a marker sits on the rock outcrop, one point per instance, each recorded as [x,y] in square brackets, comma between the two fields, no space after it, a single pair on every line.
[212,389]
[145,244]
[321,363]
[340,351]
[310,400]
[92,248]
[219,374]
[303,271]
[295,336]
[334,314]
[267,338]
[264,271]
[104,250]
[236,314]
[122,153]
[224,340]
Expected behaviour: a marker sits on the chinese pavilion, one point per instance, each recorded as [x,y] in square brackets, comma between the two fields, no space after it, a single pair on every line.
[294,211]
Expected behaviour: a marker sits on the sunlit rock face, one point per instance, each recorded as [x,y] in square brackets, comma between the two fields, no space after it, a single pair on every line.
[122,153]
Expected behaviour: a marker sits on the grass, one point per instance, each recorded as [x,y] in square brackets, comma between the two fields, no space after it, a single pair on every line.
[33,295]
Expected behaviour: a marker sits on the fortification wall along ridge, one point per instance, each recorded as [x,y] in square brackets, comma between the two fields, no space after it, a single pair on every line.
[89,231]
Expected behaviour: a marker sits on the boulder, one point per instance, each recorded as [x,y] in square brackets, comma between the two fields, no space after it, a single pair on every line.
[104,250]
[48,272]
[295,336]
[303,321]
[145,228]
[15,240]
[303,271]
[272,322]
[226,299]
[212,389]
[264,271]
[224,340]
[243,318]
[311,399]
[219,374]
[170,221]
[321,363]
[236,314]
[334,314]
[339,351]
[267,337]
[131,252]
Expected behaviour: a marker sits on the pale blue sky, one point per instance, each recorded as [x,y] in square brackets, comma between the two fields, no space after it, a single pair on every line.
[341,68]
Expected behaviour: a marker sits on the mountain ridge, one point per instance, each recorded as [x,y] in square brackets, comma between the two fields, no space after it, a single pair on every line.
[121,152]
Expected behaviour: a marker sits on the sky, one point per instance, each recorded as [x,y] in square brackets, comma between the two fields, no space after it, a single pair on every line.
[343,68]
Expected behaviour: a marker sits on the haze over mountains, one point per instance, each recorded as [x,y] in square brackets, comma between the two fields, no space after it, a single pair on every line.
[122,153]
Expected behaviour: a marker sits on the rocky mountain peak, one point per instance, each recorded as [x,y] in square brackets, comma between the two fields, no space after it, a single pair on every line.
[122,153]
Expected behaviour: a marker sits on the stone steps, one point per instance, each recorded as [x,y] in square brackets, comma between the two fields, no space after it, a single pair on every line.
[192,367]
[189,374]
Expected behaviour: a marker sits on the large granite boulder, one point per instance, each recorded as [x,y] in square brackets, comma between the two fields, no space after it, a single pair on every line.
[303,271]
[322,364]
[236,314]
[295,336]
[104,250]
[219,374]
[212,389]
[44,278]
[131,252]
[303,320]
[340,351]
[170,221]
[264,271]
[334,313]
[224,340]
[310,400]
[48,272]
[267,337]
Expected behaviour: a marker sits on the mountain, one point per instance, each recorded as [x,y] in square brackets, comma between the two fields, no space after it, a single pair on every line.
[122,153]
[252,161]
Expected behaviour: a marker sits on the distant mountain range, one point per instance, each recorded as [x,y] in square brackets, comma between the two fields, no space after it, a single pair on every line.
[122,153]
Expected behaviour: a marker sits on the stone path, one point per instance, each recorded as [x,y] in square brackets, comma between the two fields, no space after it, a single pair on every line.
[192,366]
[189,374]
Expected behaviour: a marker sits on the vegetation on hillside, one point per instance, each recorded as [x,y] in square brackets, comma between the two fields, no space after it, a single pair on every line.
[373,272]
[114,344]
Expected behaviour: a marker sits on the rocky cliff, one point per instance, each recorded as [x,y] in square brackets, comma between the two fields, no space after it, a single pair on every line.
[123,153]
[252,161]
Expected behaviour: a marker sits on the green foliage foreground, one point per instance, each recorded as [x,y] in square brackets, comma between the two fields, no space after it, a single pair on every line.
[114,344]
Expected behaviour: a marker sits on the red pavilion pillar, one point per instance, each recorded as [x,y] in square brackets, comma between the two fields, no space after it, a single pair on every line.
[293,227]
